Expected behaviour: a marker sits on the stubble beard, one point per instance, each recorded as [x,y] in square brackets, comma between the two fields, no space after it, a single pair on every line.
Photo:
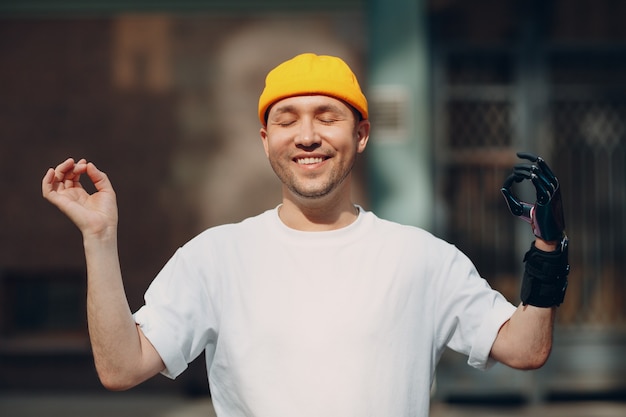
[298,187]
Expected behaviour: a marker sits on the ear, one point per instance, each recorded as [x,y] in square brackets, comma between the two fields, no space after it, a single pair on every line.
[362,135]
[264,139]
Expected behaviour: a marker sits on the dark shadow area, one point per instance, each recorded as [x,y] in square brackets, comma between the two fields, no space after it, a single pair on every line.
[600,396]
[511,400]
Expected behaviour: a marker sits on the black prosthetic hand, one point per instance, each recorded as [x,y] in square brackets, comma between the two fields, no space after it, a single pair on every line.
[545,275]
[546,214]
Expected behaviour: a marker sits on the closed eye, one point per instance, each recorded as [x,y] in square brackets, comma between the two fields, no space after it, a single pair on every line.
[284,121]
[328,118]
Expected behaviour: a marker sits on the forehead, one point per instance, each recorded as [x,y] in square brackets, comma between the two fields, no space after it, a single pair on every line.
[309,103]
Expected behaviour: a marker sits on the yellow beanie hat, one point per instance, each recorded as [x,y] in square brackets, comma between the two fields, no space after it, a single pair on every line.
[308,74]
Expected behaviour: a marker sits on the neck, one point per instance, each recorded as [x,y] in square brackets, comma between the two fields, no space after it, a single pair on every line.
[317,215]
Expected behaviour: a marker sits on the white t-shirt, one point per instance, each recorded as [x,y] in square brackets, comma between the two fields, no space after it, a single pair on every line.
[349,323]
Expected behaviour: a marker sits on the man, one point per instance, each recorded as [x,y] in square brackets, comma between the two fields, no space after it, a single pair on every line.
[317,307]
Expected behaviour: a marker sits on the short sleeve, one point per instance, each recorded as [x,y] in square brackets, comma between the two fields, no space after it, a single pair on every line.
[177,315]
[500,312]
[470,313]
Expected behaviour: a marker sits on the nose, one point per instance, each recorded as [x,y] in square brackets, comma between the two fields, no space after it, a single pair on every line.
[307,135]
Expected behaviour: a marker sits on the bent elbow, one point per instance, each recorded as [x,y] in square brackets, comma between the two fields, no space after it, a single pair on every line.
[112,384]
[117,375]
[533,361]
[116,381]
[540,359]
[529,365]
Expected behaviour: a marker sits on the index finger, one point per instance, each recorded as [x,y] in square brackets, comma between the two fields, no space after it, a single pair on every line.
[46,183]
[63,168]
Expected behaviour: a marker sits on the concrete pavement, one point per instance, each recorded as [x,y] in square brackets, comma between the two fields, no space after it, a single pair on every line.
[151,405]
[103,405]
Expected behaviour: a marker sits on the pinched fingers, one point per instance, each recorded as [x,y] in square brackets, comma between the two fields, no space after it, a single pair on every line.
[69,172]
[542,177]
[66,175]
[64,170]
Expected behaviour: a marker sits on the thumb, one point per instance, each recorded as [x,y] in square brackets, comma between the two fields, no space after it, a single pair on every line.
[99,179]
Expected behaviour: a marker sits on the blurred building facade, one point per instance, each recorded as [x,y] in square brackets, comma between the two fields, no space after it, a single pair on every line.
[546,76]
[165,102]
[164,99]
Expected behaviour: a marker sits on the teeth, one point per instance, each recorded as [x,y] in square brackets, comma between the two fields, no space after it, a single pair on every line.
[306,161]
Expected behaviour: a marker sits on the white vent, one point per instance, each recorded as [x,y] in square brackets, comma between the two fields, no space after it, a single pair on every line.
[390,107]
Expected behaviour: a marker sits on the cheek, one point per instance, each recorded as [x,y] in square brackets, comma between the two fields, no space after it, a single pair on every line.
[264,148]
[273,149]
[271,145]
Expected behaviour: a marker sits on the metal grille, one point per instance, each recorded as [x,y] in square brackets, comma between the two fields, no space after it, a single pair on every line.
[476,132]
[479,123]
[477,222]
[585,144]
[590,147]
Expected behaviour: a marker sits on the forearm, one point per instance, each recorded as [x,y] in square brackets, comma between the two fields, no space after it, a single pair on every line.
[118,345]
[545,246]
[525,340]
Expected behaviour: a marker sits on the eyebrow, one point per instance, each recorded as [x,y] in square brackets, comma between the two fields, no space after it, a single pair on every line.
[288,108]
[284,109]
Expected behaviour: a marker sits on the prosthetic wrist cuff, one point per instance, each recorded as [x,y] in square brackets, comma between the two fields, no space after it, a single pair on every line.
[545,276]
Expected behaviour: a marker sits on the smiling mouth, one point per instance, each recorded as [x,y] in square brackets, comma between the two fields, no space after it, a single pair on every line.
[309,161]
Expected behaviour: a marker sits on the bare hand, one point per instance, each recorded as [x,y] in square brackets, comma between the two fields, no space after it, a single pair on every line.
[93,214]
